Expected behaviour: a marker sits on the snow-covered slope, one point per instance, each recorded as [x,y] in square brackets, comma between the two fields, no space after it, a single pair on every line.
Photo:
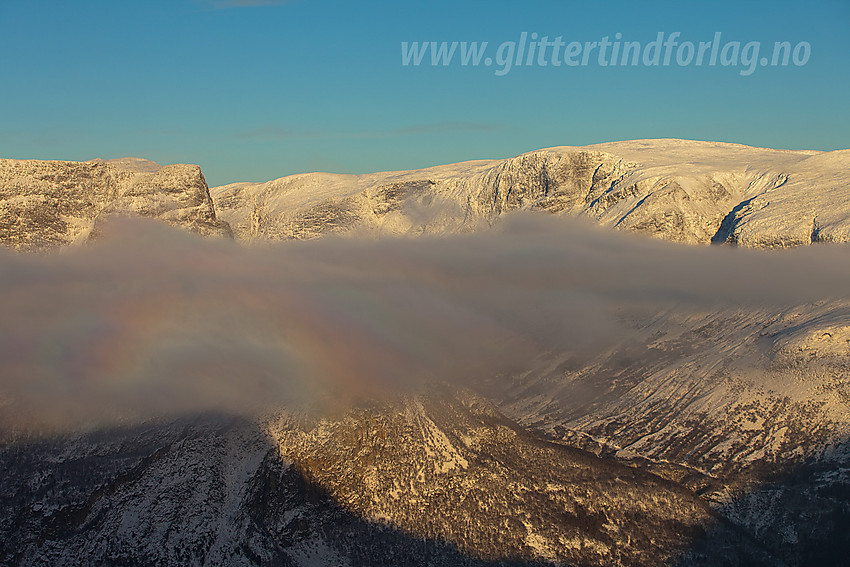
[686,191]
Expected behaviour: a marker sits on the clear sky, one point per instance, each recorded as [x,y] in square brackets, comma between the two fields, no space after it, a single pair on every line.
[256,89]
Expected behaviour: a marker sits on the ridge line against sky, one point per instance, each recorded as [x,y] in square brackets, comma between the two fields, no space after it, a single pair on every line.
[253,90]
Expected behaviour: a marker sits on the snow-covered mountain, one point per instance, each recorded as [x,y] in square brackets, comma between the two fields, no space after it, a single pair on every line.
[511,389]
[679,190]
[428,481]
[685,191]
[45,204]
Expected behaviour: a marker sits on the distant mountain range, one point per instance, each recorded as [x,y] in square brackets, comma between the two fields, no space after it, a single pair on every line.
[685,191]
[679,190]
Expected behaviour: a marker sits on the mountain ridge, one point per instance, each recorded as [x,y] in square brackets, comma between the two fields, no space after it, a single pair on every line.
[50,204]
[681,190]
[686,191]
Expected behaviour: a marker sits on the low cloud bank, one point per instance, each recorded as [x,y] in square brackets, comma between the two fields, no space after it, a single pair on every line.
[151,321]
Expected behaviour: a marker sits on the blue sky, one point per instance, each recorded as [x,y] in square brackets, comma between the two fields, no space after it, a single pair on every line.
[252,90]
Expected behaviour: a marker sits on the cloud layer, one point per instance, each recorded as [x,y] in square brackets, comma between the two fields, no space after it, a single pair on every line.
[152,321]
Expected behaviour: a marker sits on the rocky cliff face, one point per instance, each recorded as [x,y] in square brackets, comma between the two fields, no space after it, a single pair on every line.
[45,204]
[694,192]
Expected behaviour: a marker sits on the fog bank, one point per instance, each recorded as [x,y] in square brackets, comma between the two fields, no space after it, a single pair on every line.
[151,321]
